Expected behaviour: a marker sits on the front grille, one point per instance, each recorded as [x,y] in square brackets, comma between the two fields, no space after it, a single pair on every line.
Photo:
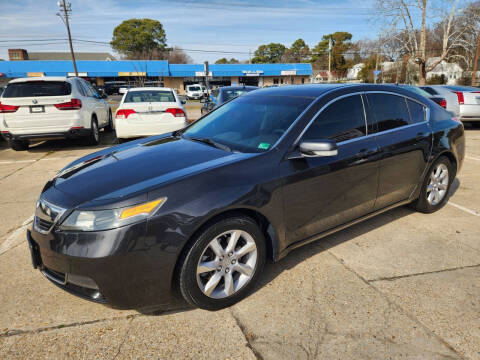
[42,224]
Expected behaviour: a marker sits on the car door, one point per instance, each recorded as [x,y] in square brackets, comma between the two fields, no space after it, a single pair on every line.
[404,139]
[321,193]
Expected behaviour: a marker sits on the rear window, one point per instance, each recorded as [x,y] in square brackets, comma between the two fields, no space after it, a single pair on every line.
[37,89]
[430,90]
[194,88]
[149,96]
[230,94]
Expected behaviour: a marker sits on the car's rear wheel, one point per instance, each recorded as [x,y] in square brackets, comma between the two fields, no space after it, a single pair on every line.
[109,127]
[223,263]
[94,136]
[435,187]
[18,145]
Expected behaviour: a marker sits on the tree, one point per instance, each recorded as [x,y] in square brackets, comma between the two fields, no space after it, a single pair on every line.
[341,45]
[226,61]
[268,54]
[297,53]
[139,38]
[406,21]
[178,56]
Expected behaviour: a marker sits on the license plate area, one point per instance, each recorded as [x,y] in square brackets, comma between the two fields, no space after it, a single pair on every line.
[37,109]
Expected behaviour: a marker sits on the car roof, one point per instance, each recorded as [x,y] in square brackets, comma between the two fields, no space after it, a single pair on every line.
[307,90]
[248,87]
[40,78]
[149,88]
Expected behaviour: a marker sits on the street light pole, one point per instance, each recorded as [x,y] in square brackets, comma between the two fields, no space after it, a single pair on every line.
[65,9]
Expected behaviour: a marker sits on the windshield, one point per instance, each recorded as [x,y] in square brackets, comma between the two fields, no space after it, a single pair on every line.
[37,88]
[230,94]
[194,88]
[149,96]
[249,123]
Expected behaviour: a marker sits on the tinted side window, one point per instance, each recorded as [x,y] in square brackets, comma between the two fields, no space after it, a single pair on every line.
[87,89]
[390,111]
[80,87]
[417,111]
[340,121]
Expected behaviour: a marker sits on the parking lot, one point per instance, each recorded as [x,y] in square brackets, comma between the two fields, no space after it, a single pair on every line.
[401,285]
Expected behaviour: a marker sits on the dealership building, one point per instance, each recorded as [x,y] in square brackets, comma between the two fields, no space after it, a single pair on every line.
[160,72]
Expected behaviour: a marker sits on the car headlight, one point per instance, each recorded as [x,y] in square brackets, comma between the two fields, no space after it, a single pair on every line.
[110,219]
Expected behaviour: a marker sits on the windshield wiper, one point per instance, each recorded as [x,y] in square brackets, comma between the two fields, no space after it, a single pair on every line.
[209,142]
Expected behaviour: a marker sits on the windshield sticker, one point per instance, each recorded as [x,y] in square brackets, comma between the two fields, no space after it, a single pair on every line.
[264,146]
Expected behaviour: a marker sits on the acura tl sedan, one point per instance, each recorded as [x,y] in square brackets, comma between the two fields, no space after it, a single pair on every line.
[196,213]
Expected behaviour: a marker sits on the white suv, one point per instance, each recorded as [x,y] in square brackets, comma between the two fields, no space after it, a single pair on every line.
[43,108]
[194,91]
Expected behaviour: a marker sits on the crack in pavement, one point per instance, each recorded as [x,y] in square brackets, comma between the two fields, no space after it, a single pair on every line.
[393,278]
[29,164]
[124,339]
[399,308]
[15,332]
[255,352]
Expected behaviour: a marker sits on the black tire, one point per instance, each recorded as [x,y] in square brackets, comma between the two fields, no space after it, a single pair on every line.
[423,204]
[18,145]
[190,288]
[109,127]
[475,124]
[94,136]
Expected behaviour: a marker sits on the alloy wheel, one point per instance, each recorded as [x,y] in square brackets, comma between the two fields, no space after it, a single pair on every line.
[227,264]
[438,184]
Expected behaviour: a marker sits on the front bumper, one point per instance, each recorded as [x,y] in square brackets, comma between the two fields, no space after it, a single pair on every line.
[125,268]
[70,134]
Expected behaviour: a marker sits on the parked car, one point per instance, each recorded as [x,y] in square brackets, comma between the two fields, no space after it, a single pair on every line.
[113,87]
[201,209]
[194,92]
[149,111]
[42,108]
[435,98]
[222,95]
[463,101]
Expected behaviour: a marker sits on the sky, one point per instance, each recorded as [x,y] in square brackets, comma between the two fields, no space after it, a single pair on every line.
[205,28]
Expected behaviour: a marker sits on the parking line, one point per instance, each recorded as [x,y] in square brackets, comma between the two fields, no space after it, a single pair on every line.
[16,161]
[463,208]
[472,158]
[12,240]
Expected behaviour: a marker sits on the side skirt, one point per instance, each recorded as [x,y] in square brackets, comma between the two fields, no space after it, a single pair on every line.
[338,228]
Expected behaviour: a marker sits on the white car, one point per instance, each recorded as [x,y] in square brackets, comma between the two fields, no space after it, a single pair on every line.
[194,91]
[149,111]
[463,101]
[44,108]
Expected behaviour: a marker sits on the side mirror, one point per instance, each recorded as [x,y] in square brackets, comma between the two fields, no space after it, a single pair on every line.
[318,148]
[183,102]
[202,100]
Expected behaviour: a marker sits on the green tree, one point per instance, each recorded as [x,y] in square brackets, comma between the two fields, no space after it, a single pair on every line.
[139,38]
[341,44]
[226,61]
[366,74]
[298,52]
[268,54]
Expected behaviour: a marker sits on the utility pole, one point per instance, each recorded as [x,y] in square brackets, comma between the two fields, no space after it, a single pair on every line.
[66,8]
[475,62]
[330,46]
[207,72]
[375,77]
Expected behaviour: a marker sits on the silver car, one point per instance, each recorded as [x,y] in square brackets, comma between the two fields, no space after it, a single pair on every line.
[463,101]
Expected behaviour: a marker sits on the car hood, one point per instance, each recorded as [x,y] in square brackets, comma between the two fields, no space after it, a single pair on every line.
[132,169]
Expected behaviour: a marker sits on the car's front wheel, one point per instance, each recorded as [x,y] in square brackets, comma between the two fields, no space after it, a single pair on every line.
[110,126]
[223,263]
[435,187]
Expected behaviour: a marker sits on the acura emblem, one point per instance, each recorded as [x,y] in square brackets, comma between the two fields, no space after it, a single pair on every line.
[34,101]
